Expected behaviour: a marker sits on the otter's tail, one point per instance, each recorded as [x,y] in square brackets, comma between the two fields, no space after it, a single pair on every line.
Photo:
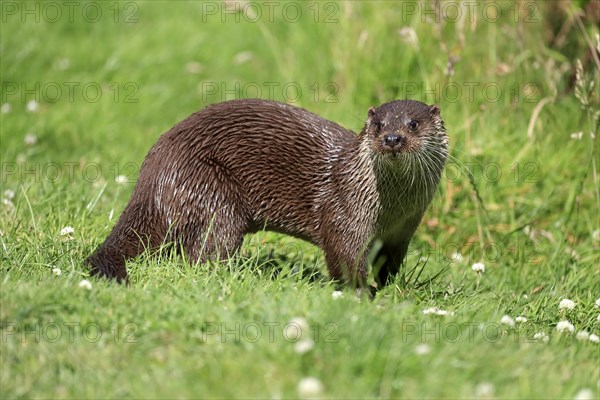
[130,237]
[108,261]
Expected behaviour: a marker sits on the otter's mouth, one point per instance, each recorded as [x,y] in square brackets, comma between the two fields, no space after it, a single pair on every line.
[394,146]
[392,154]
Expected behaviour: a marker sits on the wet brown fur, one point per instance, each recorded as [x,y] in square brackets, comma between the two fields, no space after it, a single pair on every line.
[245,165]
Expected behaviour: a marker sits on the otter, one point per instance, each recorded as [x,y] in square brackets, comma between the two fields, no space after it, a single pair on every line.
[242,166]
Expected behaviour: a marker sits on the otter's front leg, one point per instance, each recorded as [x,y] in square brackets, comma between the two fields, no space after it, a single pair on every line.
[346,260]
[346,269]
[392,255]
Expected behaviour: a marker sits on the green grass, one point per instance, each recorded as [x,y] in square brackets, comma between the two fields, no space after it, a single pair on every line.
[221,329]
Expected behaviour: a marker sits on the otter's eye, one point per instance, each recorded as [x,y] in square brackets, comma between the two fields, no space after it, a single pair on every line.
[412,125]
[377,126]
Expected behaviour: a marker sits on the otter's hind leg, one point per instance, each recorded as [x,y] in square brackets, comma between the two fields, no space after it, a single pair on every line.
[217,238]
[215,223]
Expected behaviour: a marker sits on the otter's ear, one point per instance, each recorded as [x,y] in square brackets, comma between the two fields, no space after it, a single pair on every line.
[434,110]
[371,112]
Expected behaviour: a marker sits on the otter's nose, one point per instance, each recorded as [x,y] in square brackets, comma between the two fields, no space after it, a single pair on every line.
[392,140]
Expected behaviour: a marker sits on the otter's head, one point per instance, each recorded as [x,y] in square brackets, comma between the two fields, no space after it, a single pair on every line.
[407,141]
[399,128]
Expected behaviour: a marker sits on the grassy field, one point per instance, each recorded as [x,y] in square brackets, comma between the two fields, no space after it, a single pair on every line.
[87,88]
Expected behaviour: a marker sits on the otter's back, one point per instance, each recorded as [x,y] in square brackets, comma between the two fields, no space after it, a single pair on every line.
[274,158]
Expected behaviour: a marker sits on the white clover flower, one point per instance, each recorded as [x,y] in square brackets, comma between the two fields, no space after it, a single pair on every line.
[520,319]
[194,67]
[33,106]
[304,346]
[296,329]
[300,322]
[565,326]
[478,267]
[594,338]
[121,179]
[584,394]
[566,304]
[507,320]
[85,284]
[309,387]
[67,231]
[63,64]
[8,203]
[30,139]
[422,349]
[337,294]
[56,271]
[582,335]
[576,135]
[5,108]
[574,253]
[456,257]
[242,57]
[437,311]
[597,304]
[9,194]
[541,336]
[409,36]
[484,389]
